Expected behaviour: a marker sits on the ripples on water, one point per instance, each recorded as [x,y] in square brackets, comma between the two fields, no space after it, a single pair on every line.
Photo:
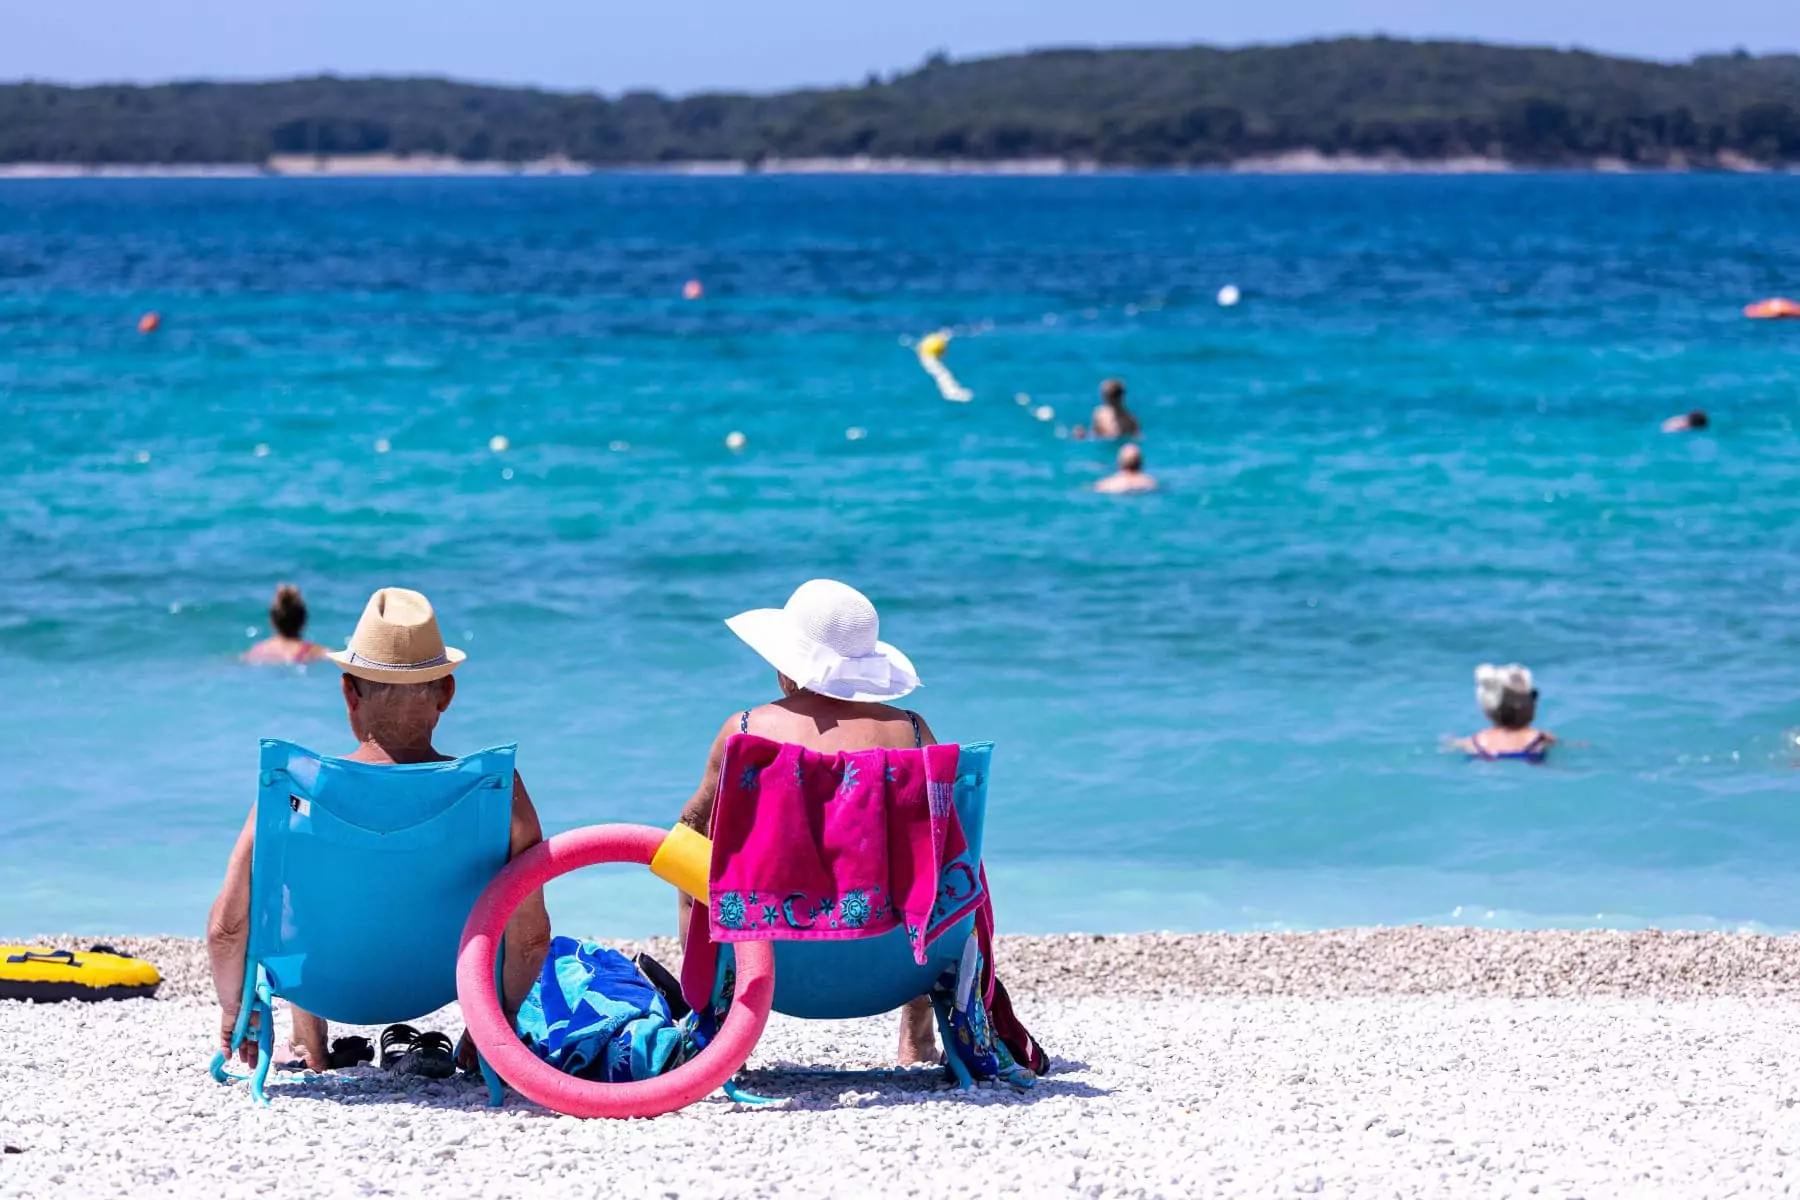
[1427,438]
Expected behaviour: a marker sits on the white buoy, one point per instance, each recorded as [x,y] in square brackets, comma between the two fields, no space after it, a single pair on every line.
[1022,399]
[262,450]
[1229,295]
[618,447]
[856,433]
[734,441]
[1044,412]
[498,444]
[143,456]
[249,631]
[382,445]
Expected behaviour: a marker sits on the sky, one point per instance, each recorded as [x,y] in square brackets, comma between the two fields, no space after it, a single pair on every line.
[763,45]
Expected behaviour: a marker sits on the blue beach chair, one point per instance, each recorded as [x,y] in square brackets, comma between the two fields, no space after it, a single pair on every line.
[866,977]
[360,882]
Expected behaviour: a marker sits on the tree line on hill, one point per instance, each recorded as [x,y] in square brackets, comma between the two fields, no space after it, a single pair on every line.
[1193,106]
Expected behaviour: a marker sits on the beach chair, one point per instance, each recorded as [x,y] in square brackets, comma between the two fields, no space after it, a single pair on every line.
[360,882]
[815,980]
[869,976]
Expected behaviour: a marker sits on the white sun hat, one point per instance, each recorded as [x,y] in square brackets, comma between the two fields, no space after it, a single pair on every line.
[827,640]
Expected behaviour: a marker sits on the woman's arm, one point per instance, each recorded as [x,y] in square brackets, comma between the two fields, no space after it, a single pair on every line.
[528,933]
[697,813]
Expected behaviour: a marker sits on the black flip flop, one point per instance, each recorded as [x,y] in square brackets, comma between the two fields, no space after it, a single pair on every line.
[406,1051]
[349,1052]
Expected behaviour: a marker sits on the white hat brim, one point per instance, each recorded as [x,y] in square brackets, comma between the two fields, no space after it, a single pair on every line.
[771,633]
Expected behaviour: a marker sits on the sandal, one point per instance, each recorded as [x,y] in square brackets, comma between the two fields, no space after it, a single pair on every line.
[406,1051]
[349,1052]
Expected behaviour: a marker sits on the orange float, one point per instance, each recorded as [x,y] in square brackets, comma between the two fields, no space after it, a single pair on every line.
[150,322]
[1772,309]
[692,290]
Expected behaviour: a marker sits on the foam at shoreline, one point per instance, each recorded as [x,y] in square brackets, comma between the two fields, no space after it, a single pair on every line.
[1410,961]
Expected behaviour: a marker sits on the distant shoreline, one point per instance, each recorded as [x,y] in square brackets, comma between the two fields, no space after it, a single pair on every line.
[1296,162]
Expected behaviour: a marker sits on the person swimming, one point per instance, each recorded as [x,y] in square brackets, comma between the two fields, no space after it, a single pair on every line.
[1111,420]
[1130,476]
[287,617]
[1509,698]
[1686,422]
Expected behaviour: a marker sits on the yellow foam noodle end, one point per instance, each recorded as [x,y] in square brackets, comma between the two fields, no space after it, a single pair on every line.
[685,860]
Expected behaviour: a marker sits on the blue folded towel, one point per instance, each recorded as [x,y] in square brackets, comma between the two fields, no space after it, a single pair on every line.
[592,1013]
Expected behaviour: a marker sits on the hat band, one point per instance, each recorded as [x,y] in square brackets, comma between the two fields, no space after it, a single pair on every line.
[442,659]
[874,672]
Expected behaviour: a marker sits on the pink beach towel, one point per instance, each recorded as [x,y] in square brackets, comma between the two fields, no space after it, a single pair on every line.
[822,846]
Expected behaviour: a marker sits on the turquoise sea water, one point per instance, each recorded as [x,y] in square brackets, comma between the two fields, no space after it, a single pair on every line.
[1426,438]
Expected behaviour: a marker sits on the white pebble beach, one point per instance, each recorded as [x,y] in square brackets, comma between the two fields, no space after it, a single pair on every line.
[1399,1062]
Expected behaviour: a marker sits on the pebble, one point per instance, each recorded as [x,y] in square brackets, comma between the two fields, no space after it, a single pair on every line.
[1392,1062]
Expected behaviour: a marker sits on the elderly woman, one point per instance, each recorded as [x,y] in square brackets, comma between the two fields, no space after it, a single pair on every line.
[836,678]
[1509,698]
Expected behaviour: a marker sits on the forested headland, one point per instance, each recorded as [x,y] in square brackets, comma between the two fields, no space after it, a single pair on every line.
[1196,106]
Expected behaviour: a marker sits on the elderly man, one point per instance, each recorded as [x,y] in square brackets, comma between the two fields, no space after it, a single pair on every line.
[393,722]
[1130,476]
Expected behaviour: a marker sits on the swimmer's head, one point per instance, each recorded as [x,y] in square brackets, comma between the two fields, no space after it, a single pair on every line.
[1506,694]
[1113,392]
[1697,419]
[1130,457]
[287,612]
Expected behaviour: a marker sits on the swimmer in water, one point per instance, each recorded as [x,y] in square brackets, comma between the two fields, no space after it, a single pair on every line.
[287,616]
[1111,420]
[1509,698]
[1130,476]
[1686,423]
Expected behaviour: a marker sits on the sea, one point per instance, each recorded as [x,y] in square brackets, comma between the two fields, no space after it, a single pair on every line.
[1426,437]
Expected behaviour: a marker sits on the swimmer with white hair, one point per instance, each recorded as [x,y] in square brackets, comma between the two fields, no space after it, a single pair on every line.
[1130,476]
[1509,697]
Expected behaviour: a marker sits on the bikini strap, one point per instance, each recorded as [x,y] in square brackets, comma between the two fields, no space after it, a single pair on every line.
[744,722]
[918,736]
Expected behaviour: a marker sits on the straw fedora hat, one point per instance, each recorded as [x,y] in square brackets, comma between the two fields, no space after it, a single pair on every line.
[397,641]
[826,639]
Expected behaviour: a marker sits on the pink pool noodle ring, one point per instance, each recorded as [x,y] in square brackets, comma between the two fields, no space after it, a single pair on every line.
[538,1080]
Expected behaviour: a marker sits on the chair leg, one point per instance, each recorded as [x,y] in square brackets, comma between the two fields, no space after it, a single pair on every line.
[265,1042]
[491,1077]
[964,1081]
[738,1095]
[496,1088]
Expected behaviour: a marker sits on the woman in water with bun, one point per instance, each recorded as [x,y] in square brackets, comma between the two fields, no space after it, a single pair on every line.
[287,616]
[1509,698]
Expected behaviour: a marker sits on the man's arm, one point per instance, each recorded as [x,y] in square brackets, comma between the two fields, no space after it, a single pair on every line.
[228,937]
[528,933]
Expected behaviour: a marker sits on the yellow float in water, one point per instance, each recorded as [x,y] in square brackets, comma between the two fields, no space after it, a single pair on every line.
[35,973]
[931,349]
